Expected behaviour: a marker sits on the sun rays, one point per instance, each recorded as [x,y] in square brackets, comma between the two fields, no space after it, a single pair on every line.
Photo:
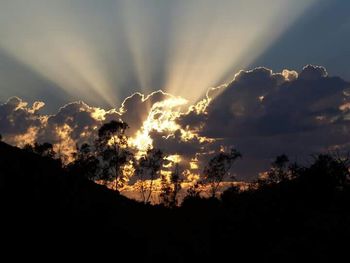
[99,53]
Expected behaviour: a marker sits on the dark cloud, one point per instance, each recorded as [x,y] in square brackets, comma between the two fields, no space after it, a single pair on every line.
[177,144]
[313,73]
[265,114]
[16,117]
[237,106]
[74,123]
[77,120]
[261,113]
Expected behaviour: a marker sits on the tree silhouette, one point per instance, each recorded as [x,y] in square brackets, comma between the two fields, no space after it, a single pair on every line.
[295,170]
[218,168]
[85,164]
[279,170]
[171,187]
[147,170]
[112,147]
[45,149]
[329,171]
[230,194]
[192,193]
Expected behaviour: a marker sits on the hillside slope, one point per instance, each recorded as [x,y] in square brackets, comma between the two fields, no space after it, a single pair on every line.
[40,202]
[303,219]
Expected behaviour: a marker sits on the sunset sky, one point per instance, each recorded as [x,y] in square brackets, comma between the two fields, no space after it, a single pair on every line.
[189,77]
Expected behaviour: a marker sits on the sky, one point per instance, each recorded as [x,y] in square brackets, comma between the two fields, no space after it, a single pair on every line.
[267,77]
[60,51]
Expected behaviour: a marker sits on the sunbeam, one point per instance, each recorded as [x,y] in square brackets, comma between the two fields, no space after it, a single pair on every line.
[60,50]
[103,52]
[222,36]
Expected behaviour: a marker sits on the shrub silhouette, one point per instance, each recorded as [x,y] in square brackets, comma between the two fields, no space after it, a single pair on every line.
[86,163]
[230,195]
[147,171]
[171,188]
[45,149]
[218,168]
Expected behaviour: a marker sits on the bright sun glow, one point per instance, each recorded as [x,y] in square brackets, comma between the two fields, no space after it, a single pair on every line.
[161,118]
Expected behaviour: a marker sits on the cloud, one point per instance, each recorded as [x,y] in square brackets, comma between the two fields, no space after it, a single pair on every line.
[290,75]
[178,144]
[74,123]
[311,72]
[18,119]
[135,108]
[265,114]
[261,113]
[77,122]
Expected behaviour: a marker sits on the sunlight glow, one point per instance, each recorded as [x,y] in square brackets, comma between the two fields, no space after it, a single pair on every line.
[161,118]
[97,50]
[26,138]
[65,147]
[210,43]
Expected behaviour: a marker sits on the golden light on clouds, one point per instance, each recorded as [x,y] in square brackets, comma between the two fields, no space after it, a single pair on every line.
[172,160]
[66,145]
[161,117]
[194,164]
[28,137]
[99,114]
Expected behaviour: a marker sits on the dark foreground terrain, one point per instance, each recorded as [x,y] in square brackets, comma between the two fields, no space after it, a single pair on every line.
[45,210]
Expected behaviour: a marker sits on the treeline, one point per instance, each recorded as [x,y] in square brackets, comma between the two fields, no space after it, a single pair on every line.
[290,213]
[111,160]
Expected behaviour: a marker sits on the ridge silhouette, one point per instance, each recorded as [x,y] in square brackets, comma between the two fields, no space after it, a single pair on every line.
[306,217]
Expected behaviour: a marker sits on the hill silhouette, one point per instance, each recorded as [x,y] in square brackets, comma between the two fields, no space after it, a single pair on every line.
[307,218]
[40,202]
